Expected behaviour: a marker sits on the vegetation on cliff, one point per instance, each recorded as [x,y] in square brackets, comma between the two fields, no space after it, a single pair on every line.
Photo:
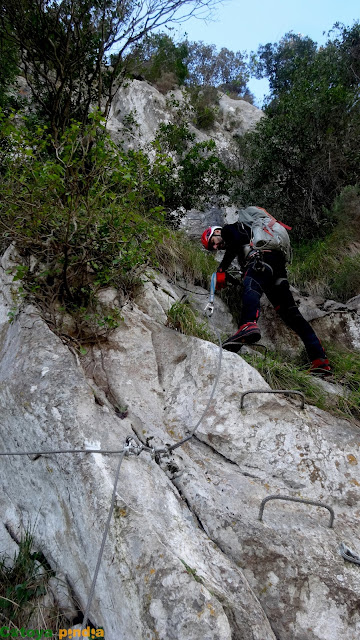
[85,213]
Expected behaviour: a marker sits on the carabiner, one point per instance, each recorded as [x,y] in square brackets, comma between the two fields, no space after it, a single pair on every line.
[209,309]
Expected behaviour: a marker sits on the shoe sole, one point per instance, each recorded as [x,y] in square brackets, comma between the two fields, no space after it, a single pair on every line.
[236,344]
[322,374]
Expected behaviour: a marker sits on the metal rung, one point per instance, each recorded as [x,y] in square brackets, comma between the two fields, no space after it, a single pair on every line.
[284,391]
[316,504]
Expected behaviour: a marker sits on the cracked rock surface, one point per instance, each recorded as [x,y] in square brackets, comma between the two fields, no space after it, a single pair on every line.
[187,557]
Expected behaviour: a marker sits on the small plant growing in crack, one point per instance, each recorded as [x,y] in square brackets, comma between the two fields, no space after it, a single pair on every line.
[192,572]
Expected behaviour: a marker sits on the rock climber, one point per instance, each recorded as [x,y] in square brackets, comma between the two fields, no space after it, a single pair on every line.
[264,272]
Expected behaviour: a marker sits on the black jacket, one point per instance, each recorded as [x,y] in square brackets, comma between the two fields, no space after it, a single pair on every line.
[236,237]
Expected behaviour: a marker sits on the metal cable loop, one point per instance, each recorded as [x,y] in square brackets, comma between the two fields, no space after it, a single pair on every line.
[46,453]
[348,554]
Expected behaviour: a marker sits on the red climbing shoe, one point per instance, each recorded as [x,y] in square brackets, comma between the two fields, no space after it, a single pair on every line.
[248,333]
[321,367]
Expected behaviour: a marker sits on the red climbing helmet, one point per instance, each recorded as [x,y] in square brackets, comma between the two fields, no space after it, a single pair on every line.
[207,235]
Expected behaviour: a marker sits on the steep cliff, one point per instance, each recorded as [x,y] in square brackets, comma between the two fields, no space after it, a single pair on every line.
[186,556]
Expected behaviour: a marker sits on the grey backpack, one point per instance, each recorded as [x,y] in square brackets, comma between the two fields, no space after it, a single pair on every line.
[266,231]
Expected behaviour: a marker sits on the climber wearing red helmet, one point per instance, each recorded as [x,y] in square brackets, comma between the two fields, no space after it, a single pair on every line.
[265,271]
[211,238]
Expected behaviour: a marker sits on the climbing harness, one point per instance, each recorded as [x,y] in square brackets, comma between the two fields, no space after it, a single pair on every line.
[348,555]
[313,502]
[286,392]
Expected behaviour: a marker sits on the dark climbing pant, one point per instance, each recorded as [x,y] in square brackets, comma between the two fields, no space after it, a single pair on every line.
[270,277]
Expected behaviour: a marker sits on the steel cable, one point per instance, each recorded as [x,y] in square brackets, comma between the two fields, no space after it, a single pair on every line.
[105,534]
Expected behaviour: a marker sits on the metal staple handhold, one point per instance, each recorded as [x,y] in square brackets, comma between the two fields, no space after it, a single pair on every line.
[313,502]
[349,555]
[284,391]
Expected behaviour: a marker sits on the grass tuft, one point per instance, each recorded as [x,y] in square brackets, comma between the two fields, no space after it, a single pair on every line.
[23,591]
[330,266]
[182,318]
[284,374]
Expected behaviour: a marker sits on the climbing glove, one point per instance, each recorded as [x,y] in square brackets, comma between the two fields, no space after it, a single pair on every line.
[220,280]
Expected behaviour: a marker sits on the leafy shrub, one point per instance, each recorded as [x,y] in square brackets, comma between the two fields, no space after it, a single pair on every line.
[188,173]
[81,218]
[204,101]
[157,57]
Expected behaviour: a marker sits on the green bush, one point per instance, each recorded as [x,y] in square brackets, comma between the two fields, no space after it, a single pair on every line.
[82,215]
[204,101]
[188,173]
[157,56]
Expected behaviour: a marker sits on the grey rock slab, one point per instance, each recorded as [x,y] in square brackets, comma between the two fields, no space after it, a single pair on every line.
[157,295]
[160,575]
[271,447]
[186,556]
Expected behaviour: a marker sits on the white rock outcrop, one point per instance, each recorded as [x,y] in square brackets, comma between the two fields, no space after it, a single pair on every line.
[186,556]
[139,108]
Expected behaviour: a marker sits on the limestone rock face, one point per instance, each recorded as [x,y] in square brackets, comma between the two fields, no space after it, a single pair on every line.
[333,322]
[186,556]
[139,108]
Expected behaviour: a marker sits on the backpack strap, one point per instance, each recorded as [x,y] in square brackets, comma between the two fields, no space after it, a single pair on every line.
[273,220]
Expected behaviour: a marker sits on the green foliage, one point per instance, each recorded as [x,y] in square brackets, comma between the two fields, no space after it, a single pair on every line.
[204,101]
[188,174]
[327,266]
[225,70]
[183,319]
[280,62]
[305,151]
[9,64]
[84,214]
[82,218]
[157,55]
[22,584]
[175,137]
